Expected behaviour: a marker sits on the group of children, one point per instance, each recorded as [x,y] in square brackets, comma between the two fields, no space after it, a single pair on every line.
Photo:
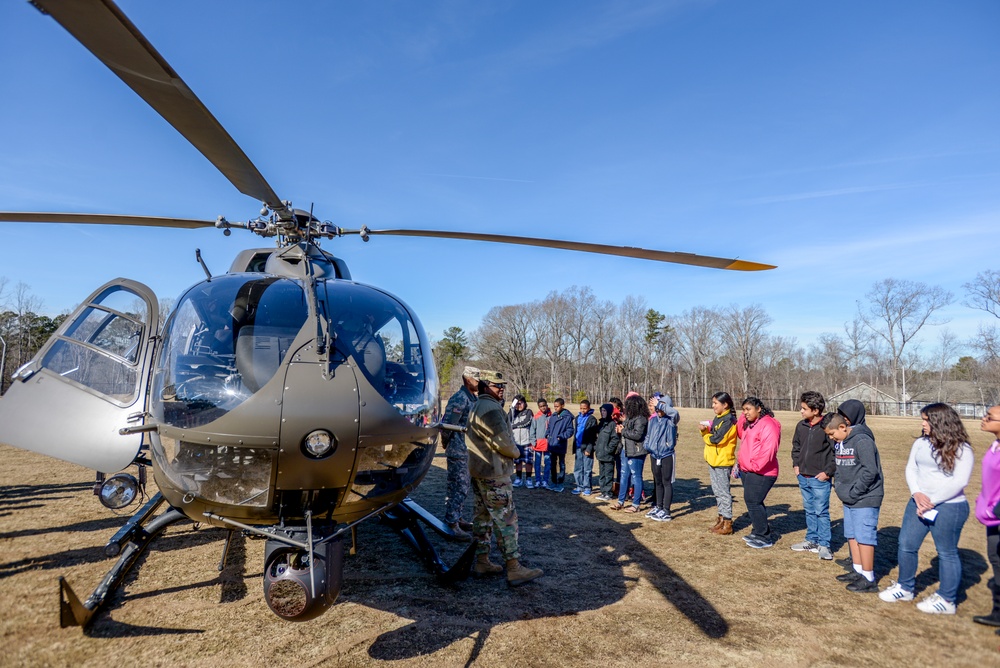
[833,451]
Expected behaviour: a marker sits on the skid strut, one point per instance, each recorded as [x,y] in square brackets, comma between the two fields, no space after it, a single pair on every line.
[405,519]
[74,613]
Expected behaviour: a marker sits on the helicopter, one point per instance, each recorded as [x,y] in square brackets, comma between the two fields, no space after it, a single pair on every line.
[282,399]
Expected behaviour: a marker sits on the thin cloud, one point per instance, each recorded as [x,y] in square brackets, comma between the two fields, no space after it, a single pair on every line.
[837,192]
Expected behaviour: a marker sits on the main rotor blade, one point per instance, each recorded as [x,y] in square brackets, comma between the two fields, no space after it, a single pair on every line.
[624,251]
[101,219]
[107,33]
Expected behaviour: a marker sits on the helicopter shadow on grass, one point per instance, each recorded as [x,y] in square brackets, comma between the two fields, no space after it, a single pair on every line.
[385,575]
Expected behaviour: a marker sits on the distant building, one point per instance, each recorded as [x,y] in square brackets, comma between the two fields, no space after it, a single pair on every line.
[875,400]
[964,396]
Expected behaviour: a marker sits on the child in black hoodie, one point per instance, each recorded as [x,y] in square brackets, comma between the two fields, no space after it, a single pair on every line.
[605,451]
[859,485]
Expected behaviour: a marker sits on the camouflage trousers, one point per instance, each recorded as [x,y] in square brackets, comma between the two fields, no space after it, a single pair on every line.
[493,512]
[458,483]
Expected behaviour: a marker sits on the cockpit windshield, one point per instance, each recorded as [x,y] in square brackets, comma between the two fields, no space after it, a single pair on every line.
[224,341]
[386,342]
[229,336]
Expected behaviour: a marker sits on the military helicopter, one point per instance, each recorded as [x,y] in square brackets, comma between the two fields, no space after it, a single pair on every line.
[282,399]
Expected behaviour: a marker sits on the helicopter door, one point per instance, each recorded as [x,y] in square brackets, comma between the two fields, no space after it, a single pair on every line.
[87,382]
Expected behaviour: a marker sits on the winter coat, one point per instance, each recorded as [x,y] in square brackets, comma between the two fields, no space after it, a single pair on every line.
[520,425]
[633,434]
[559,431]
[759,442]
[661,437]
[586,432]
[492,450]
[720,441]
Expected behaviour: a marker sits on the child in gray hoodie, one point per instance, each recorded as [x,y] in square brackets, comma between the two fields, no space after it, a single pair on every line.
[858,483]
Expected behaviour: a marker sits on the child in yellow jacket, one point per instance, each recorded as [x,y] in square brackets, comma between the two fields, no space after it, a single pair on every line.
[720,453]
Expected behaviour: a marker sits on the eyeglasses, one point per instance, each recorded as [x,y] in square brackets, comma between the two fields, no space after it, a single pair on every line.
[987,418]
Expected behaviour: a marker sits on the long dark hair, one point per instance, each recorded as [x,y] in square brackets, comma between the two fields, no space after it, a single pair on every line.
[635,406]
[948,435]
[724,399]
[759,405]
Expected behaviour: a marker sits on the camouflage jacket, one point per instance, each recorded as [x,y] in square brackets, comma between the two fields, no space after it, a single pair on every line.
[492,450]
[457,412]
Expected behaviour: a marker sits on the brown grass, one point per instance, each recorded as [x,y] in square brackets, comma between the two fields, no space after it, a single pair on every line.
[618,591]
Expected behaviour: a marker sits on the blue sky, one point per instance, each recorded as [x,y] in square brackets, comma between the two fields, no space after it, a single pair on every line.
[844,142]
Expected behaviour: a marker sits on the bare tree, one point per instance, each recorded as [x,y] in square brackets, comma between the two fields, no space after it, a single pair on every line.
[947,349]
[697,331]
[983,292]
[744,333]
[895,311]
[507,340]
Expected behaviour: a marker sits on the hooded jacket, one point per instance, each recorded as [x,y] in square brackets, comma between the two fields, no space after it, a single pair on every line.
[858,479]
[492,450]
[854,411]
[720,441]
[759,442]
[520,426]
[606,445]
[559,431]
[661,436]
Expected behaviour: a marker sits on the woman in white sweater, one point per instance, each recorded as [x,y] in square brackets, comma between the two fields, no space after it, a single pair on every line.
[937,472]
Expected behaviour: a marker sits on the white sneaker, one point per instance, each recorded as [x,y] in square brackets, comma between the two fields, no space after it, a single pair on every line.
[936,605]
[896,593]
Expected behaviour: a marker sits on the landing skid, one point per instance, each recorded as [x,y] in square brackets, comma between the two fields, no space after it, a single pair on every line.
[136,538]
[405,519]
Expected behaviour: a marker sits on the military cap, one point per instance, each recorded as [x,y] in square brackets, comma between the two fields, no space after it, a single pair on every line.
[471,372]
[494,377]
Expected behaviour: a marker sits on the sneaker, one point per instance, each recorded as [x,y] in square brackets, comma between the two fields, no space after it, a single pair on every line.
[586,492]
[517,482]
[575,490]
[846,563]
[936,605]
[652,511]
[805,546]
[896,593]
[760,543]
[863,586]
[557,488]
[529,483]
[542,485]
[750,536]
[825,554]
[849,577]
[662,516]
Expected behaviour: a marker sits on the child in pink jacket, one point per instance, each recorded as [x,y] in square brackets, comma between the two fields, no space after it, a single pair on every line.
[760,436]
[988,511]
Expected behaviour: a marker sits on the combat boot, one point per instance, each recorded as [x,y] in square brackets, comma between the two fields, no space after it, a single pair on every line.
[458,532]
[718,523]
[726,528]
[518,574]
[484,566]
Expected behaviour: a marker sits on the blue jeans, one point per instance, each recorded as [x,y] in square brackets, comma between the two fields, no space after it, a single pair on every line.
[583,469]
[631,475]
[542,467]
[816,503]
[945,530]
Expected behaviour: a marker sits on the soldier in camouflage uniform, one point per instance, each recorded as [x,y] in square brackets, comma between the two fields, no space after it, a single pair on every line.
[492,452]
[457,455]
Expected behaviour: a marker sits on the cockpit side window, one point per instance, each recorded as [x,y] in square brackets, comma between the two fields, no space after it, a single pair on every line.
[101,348]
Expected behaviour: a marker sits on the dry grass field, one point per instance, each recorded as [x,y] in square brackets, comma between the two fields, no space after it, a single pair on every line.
[618,591]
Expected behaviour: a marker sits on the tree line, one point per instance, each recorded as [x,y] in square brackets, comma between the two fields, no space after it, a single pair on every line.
[573,345]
